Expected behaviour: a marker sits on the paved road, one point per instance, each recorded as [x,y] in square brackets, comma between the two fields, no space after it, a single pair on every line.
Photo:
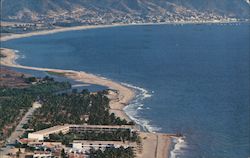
[19,131]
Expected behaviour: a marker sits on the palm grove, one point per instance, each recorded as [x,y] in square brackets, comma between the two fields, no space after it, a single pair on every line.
[59,108]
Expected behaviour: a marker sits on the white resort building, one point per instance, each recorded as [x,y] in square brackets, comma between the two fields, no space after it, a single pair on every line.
[43,134]
[83,146]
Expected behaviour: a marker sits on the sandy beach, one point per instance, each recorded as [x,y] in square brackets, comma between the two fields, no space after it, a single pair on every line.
[86,27]
[155,145]
[65,29]
[123,96]
[57,30]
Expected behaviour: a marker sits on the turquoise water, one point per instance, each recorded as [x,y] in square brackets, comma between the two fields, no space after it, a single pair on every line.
[192,79]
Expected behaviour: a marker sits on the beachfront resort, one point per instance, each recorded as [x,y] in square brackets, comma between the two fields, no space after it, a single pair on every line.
[71,140]
[73,124]
[115,79]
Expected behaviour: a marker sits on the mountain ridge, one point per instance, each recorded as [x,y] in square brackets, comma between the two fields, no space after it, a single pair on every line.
[172,10]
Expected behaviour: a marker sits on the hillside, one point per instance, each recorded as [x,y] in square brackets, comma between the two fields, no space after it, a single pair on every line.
[131,10]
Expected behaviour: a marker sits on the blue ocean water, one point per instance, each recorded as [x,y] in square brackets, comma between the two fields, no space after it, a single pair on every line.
[193,79]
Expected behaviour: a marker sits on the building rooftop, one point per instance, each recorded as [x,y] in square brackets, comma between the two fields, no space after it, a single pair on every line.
[52,130]
[90,142]
[66,128]
[103,126]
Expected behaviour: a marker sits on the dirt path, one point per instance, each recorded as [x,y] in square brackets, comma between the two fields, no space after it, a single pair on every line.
[19,131]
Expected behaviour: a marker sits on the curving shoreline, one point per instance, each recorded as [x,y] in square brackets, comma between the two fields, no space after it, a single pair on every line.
[153,143]
[123,96]
[86,27]
[119,100]
[57,30]
[12,37]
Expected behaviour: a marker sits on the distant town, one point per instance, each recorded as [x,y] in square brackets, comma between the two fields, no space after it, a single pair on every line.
[81,17]
[42,117]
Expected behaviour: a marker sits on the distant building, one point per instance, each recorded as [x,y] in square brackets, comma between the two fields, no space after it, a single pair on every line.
[83,146]
[41,135]
[42,154]
[36,105]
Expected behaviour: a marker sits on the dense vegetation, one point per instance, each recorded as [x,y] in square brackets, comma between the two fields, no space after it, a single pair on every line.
[74,108]
[58,109]
[14,102]
[11,110]
[112,153]
[118,135]
[37,87]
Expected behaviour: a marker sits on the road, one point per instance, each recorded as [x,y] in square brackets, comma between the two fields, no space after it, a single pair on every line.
[19,131]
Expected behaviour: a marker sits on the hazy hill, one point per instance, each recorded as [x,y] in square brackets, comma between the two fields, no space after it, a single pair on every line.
[36,9]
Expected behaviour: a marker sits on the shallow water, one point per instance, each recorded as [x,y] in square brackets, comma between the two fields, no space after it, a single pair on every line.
[192,79]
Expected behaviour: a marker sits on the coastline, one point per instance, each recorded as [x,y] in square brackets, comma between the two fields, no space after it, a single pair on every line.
[155,145]
[118,100]
[122,98]
[86,27]
[172,142]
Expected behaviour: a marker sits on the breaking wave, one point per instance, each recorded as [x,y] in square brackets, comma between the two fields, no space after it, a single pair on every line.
[179,144]
[137,105]
[19,55]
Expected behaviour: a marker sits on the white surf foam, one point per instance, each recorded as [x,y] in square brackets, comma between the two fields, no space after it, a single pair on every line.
[22,56]
[143,92]
[248,2]
[179,145]
[19,55]
[139,108]
[136,105]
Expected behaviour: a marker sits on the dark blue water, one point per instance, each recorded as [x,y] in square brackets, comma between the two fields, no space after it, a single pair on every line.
[198,76]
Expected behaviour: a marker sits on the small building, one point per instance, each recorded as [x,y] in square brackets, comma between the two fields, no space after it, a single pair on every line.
[42,154]
[84,145]
[53,145]
[37,105]
[41,135]
[37,136]
[25,141]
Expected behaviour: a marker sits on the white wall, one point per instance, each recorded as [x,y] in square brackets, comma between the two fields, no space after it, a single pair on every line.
[35,136]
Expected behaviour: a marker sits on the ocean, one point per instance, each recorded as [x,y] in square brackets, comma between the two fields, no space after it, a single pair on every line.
[192,79]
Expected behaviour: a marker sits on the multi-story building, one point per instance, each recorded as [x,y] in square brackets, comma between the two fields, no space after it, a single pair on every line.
[43,134]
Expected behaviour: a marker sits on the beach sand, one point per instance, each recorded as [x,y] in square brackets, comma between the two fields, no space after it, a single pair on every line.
[123,96]
[154,143]
[65,29]
[46,32]
[75,28]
